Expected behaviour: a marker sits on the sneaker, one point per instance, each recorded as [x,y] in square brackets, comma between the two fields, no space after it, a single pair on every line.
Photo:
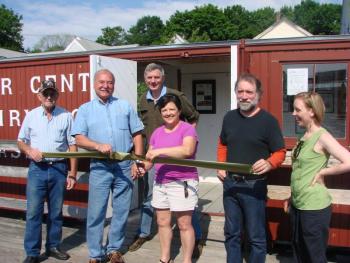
[138,242]
[115,257]
[198,248]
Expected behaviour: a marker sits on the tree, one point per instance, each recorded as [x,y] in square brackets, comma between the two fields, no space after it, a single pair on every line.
[329,19]
[288,12]
[208,22]
[305,13]
[318,19]
[147,31]
[237,22]
[259,20]
[203,23]
[53,43]
[179,23]
[112,36]
[198,36]
[10,29]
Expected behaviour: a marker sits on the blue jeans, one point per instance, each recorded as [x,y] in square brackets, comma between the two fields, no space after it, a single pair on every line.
[245,202]
[147,209]
[44,182]
[105,177]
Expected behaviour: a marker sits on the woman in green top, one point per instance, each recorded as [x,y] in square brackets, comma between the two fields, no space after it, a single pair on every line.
[310,200]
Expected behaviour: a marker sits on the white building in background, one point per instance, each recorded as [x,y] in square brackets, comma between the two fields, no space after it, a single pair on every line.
[283,28]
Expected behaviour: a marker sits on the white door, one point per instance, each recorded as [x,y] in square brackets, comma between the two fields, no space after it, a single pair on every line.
[125,87]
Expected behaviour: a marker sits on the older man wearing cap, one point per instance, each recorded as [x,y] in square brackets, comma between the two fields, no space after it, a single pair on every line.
[46,128]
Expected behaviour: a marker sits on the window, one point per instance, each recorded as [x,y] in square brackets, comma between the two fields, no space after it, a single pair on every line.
[329,80]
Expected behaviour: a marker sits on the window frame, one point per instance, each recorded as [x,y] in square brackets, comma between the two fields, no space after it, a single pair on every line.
[291,141]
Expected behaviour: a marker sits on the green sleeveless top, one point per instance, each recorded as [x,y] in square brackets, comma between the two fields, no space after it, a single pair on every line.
[305,166]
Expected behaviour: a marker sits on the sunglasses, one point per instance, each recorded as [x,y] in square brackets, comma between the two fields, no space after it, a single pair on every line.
[186,189]
[297,150]
[50,93]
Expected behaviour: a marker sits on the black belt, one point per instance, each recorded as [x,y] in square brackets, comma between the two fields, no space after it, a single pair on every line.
[53,162]
[248,177]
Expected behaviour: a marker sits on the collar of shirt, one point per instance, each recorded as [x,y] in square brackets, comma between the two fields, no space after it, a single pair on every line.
[109,100]
[150,97]
[44,113]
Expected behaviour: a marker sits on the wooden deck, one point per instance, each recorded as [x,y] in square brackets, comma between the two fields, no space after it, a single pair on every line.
[11,243]
[12,229]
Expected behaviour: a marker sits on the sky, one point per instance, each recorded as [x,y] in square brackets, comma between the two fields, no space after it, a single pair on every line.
[87,18]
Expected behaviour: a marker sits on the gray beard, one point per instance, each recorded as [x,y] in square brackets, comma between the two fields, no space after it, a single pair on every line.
[246,106]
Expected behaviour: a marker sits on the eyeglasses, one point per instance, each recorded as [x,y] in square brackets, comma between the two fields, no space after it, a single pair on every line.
[297,149]
[186,189]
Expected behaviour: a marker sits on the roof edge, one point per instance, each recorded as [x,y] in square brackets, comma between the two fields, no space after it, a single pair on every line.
[123,50]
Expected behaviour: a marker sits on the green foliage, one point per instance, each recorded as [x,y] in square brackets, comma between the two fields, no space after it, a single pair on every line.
[10,29]
[305,13]
[179,23]
[288,12]
[147,31]
[328,20]
[208,22]
[197,36]
[259,20]
[112,36]
[237,25]
[141,89]
[318,19]
[53,43]
[203,23]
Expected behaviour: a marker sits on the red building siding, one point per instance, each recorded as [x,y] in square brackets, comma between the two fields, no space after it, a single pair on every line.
[266,60]
[74,88]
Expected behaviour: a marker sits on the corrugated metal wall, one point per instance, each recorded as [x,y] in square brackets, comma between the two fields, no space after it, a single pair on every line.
[71,77]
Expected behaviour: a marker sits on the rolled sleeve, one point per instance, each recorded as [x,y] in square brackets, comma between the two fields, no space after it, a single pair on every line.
[80,124]
[134,121]
[23,134]
[70,138]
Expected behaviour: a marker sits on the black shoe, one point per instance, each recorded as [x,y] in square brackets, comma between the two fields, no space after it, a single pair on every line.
[138,242]
[198,248]
[57,253]
[30,259]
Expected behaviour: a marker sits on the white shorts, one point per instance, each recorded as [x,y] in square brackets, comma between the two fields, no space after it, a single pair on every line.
[172,195]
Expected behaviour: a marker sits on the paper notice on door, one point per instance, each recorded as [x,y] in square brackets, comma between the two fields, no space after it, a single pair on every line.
[297,80]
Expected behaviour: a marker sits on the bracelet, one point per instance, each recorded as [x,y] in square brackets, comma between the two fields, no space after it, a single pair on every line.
[72,177]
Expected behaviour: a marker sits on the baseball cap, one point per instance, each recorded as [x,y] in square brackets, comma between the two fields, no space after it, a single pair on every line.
[48,84]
